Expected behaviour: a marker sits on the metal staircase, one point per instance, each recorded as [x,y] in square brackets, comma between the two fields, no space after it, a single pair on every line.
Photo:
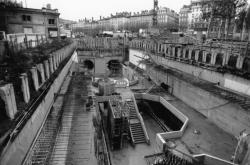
[135,126]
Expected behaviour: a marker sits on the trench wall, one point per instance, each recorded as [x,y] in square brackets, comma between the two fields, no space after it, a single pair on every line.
[228,116]
[17,149]
[226,80]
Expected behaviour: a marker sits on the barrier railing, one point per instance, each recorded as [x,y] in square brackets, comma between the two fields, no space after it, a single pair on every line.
[141,121]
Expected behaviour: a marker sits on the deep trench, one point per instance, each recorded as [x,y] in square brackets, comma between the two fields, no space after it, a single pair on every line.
[170,120]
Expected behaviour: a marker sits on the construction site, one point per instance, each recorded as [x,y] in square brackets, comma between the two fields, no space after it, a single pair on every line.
[161,99]
[117,105]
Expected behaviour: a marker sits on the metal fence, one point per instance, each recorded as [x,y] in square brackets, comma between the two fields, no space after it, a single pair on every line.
[23,41]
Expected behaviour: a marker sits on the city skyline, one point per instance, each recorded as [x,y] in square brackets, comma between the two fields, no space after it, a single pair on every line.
[95,8]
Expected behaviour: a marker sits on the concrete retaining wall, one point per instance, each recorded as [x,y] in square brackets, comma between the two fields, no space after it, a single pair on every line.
[226,80]
[16,151]
[228,116]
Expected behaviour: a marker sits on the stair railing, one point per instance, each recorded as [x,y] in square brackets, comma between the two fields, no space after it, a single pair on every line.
[141,120]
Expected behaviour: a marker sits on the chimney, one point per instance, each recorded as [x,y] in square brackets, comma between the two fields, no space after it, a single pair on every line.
[100,17]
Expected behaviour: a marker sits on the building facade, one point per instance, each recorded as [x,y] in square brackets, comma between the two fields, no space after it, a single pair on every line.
[185,18]
[16,19]
[128,21]
[167,16]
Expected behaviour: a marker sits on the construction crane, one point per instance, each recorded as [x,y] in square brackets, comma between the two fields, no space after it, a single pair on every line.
[155,9]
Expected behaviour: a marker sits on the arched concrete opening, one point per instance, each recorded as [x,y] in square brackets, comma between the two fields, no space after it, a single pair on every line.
[193,55]
[246,65]
[88,64]
[114,66]
[200,57]
[232,61]
[176,52]
[208,58]
[219,59]
[187,53]
[164,86]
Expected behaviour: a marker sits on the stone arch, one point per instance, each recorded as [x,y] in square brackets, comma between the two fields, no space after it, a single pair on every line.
[164,86]
[208,58]
[219,59]
[232,61]
[114,66]
[186,53]
[88,64]
[246,65]
[200,56]
[193,55]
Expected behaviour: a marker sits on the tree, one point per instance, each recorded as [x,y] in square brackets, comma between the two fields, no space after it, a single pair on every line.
[224,10]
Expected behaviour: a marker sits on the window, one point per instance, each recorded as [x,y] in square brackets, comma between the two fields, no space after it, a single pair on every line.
[26,18]
[51,21]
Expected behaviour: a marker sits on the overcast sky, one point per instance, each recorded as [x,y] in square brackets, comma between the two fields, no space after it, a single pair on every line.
[79,9]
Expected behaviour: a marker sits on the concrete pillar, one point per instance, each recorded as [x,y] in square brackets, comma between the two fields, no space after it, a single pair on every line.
[46,68]
[204,56]
[169,50]
[196,55]
[40,68]
[179,52]
[213,58]
[225,59]
[34,77]
[165,49]
[8,96]
[189,54]
[54,61]
[58,59]
[55,56]
[240,61]
[173,51]
[51,67]
[25,87]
